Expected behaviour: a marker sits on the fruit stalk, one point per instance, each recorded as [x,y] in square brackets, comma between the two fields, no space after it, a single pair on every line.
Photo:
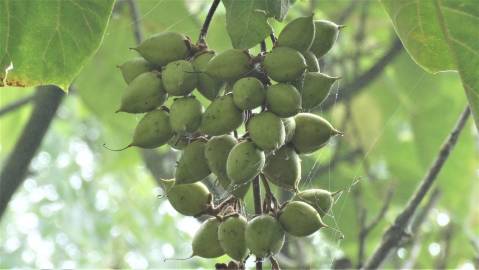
[258,211]
[206,23]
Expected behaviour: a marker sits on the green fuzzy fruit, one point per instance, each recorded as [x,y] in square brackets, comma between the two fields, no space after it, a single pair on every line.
[134,67]
[239,191]
[315,89]
[163,48]
[216,152]
[230,65]
[185,114]
[283,168]
[322,200]
[300,219]
[190,199]
[143,94]
[248,93]
[205,242]
[178,141]
[208,86]
[153,130]
[297,34]
[192,166]
[311,61]
[221,117]
[231,234]
[312,132]
[264,236]
[326,33]
[266,130]
[284,64]
[244,162]
[283,99]
[289,127]
[179,78]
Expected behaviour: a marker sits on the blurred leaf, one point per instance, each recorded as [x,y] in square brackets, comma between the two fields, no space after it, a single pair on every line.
[277,8]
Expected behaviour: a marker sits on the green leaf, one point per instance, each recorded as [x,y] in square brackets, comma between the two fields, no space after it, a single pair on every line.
[441,35]
[277,8]
[48,42]
[246,22]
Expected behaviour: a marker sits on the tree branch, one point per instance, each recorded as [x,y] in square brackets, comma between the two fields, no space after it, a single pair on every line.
[396,231]
[17,104]
[135,18]
[258,211]
[206,24]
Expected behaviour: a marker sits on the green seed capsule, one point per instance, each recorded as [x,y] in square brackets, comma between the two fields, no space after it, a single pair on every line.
[216,152]
[283,99]
[208,86]
[185,114]
[300,219]
[205,242]
[179,78]
[244,162]
[153,130]
[230,65]
[312,132]
[143,94]
[192,166]
[311,61]
[298,34]
[283,168]
[134,67]
[190,199]
[322,200]
[248,93]
[315,89]
[264,236]
[266,130]
[163,48]
[231,234]
[284,64]
[221,116]
[289,127]
[326,33]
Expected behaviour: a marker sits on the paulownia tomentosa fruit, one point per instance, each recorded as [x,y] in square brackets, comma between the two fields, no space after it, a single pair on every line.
[284,64]
[266,130]
[298,34]
[315,89]
[134,67]
[143,94]
[208,86]
[283,99]
[205,242]
[264,236]
[221,116]
[189,199]
[289,127]
[153,130]
[312,132]
[300,219]
[245,161]
[311,61]
[185,114]
[322,200]
[248,93]
[192,166]
[179,78]
[163,48]
[231,235]
[325,35]
[283,168]
[229,65]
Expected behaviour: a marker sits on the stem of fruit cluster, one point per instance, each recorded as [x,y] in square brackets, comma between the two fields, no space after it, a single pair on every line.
[273,38]
[206,23]
[258,211]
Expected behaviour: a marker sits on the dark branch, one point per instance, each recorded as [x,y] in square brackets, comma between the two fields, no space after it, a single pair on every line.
[17,104]
[258,210]
[135,18]
[206,24]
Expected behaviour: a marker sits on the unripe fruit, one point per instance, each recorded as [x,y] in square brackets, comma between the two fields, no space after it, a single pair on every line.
[326,33]
[315,89]
[178,141]
[143,94]
[266,130]
[185,114]
[221,116]
[298,34]
[190,199]
[284,64]
[192,166]
[216,153]
[244,162]
[205,242]
[322,200]
[283,168]
[300,219]
[153,130]
[289,127]
[239,191]
[312,132]
[134,67]
[179,78]
[283,99]
[208,86]
[230,65]
[248,93]
[264,236]
[231,235]
[311,61]
[163,48]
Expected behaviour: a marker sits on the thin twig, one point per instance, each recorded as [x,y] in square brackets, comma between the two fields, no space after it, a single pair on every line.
[396,231]
[17,104]
[206,23]
[135,18]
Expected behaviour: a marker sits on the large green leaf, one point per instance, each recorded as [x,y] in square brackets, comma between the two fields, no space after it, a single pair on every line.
[48,42]
[441,35]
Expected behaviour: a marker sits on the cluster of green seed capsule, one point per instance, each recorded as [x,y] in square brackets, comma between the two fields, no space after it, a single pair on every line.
[264,98]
